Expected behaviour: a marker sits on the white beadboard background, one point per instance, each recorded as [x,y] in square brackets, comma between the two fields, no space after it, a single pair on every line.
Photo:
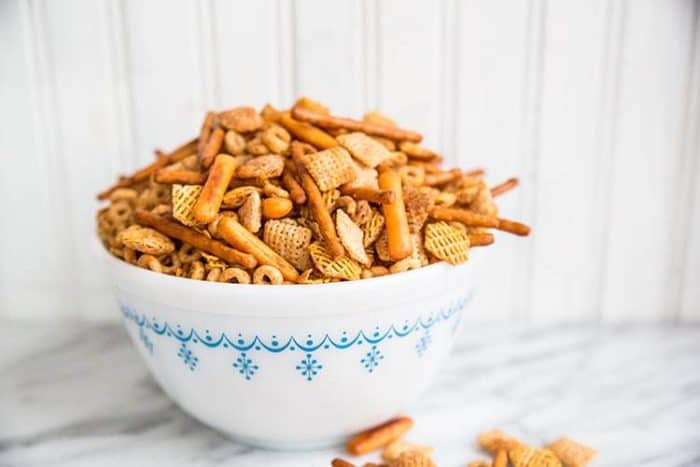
[595,104]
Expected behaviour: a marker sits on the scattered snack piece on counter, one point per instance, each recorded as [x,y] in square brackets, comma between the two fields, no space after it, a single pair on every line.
[299,196]
[509,451]
[379,436]
[493,441]
[571,453]
[506,451]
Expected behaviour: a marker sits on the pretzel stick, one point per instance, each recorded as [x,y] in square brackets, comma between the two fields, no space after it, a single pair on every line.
[325,222]
[398,235]
[270,114]
[308,133]
[369,194]
[296,192]
[182,177]
[442,178]
[331,122]
[475,219]
[207,206]
[379,436]
[239,237]
[190,236]
[212,148]
[205,132]
[504,187]
[429,168]
[145,173]
[475,172]
[480,239]
[337,462]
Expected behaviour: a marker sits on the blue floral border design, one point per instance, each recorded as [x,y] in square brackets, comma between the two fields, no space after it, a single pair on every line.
[308,346]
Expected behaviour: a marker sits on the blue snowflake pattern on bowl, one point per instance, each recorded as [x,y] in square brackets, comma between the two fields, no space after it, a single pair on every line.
[423,342]
[188,357]
[309,367]
[147,343]
[372,359]
[245,366]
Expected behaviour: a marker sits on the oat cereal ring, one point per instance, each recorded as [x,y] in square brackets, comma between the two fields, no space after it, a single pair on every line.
[150,262]
[405,264]
[171,263]
[197,270]
[213,275]
[267,274]
[129,255]
[234,143]
[276,139]
[412,175]
[124,194]
[236,275]
[119,212]
[256,147]
[187,253]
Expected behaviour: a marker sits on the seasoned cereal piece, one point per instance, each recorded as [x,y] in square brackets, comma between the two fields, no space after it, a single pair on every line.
[268,166]
[241,119]
[351,237]
[571,453]
[447,243]
[329,168]
[250,213]
[340,268]
[184,198]
[418,205]
[525,456]
[289,240]
[495,440]
[146,240]
[365,149]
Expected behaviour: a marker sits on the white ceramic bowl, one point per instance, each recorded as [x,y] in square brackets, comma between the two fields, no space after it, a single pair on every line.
[295,366]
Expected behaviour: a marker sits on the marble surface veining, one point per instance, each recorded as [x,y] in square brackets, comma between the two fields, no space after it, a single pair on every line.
[79,395]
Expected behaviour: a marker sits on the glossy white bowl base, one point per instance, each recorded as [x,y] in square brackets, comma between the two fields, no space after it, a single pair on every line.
[294,367]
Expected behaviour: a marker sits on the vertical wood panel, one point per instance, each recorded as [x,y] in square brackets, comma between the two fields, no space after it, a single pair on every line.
[163,66]
[568,166]
[690,251]
[646,160]
[410,65]
[286,51]
[370,42]
[330,62]
[488,124]
[530,117]
[78,55]
[448,85]
[246,37]
[28,262]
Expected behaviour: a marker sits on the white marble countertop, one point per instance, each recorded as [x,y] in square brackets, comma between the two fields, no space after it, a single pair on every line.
[78,395]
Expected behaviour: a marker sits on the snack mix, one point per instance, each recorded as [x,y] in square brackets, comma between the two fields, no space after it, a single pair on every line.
[505,450]
[298,197]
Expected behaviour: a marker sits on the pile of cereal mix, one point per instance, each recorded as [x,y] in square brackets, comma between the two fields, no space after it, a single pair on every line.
[299,196]
[504,450]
